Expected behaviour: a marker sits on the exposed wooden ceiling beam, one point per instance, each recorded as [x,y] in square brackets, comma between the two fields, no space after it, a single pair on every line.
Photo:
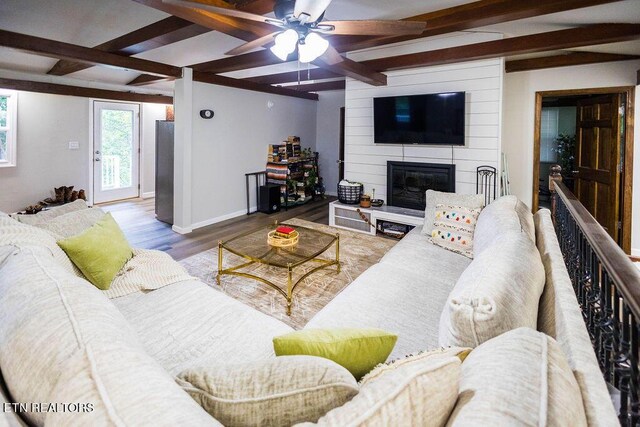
[563,39]
[258,7]
[467,16]
[239,28]
[321,86]
[356,70]
[161,33]
[87,55]
[313,74]
[564,60]
[147,79]
[60,50]
[85,92]
[251,30]
[479,14]
[244,84]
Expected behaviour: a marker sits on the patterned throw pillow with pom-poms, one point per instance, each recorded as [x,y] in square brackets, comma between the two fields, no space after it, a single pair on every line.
[453,228]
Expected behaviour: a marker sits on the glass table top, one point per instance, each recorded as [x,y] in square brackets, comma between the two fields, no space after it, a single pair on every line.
[253,245]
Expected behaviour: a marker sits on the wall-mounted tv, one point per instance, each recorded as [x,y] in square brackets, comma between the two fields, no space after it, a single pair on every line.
[436,118]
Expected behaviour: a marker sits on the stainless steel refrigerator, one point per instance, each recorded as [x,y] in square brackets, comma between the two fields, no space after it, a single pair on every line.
[164,171]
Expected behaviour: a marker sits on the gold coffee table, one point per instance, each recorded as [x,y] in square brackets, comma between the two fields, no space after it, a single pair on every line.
[253,246]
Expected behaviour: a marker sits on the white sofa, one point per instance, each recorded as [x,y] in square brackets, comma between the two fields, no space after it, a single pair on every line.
[61,339]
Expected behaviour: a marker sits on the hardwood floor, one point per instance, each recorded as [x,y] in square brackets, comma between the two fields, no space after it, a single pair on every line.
[136,217]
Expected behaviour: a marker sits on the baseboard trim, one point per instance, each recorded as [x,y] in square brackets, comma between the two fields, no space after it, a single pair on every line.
[181,230]
[217,219]
[149,195]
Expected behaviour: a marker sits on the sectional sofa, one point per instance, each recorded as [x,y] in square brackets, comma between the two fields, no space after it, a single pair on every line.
[63,340]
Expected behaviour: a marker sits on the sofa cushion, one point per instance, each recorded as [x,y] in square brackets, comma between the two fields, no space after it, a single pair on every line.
[72,223]
[519,378]
[499,291]
[18,235]
[453,229]
[99,252]
[404,302]
[190,324]
[51,213]
[418,390]
[49,315]
[124,387]
[505,215]
[434,198]
[275,392]
[417,255]
[358,350]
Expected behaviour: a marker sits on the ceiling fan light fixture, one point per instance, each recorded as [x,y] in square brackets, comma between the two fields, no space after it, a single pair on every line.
[313,47]
[285,43]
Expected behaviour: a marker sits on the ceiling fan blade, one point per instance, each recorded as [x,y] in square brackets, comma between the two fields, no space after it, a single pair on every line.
[310,10]
[254,44]
[373,27]
[331,56]
[221,10]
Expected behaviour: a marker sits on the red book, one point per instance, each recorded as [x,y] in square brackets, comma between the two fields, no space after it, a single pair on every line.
[285,230]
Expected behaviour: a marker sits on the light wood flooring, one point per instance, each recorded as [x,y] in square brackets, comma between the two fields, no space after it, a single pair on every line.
[136,217]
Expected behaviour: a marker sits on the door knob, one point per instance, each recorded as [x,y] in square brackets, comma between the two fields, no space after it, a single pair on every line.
[97,159]
[97,152]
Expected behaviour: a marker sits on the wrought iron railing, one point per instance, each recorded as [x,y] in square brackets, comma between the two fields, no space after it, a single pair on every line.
[607,285]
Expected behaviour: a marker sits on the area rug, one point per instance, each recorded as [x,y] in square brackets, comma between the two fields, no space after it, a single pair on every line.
[357,253]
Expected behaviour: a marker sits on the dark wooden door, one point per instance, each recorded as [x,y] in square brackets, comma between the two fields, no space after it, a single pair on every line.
[341,158]
[597,178]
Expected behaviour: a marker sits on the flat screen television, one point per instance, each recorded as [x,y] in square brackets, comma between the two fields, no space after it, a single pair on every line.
[434,119]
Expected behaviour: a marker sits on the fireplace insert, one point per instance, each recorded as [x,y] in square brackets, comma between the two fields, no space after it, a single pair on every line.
[407,182]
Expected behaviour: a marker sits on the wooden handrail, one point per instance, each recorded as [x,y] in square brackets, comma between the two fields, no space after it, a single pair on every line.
[623,273]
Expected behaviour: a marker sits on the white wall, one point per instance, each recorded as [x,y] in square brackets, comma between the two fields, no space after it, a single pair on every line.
[46,124]
[481,80]
[150,113]
[519,111]
[328,137]
[233,143]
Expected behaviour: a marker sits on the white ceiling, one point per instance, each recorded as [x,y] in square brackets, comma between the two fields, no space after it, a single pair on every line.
[91,22]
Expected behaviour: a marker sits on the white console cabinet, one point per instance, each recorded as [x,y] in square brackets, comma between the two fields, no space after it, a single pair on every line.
[347,217]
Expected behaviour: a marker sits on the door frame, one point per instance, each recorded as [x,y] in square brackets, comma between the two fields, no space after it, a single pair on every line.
[627,169]
[92,132]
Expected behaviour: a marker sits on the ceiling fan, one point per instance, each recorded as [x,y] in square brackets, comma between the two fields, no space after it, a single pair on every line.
[299,24]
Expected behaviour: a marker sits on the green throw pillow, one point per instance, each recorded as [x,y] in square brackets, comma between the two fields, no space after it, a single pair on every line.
[358,350]
[99,252]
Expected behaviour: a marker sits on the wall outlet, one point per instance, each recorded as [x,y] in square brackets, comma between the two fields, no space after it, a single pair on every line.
[74,145]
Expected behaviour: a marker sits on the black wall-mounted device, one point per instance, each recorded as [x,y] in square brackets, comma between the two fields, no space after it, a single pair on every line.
[206,114]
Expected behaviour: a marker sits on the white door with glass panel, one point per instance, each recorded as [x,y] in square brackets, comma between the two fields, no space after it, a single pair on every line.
[116,142]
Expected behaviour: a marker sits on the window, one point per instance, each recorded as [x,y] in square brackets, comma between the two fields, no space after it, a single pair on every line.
[8,125]
[548,134]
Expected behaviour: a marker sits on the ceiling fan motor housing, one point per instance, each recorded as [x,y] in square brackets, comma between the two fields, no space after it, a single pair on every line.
[283,9]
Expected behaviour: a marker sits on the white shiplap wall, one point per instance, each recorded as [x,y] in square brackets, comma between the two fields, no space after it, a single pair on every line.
[481,80]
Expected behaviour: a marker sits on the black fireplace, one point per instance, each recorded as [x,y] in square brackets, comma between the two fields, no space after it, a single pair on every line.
[407,182]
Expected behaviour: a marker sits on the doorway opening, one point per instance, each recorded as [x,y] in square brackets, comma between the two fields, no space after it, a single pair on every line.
[116,151]
[589,133]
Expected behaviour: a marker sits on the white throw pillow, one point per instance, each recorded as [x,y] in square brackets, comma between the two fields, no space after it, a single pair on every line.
[434,198]
[499,291]
[275,392]
[419,390]
[520,378]
[72,223]
[453,228]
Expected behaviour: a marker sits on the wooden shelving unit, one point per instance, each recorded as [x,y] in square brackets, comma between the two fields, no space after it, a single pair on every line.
[289,167]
